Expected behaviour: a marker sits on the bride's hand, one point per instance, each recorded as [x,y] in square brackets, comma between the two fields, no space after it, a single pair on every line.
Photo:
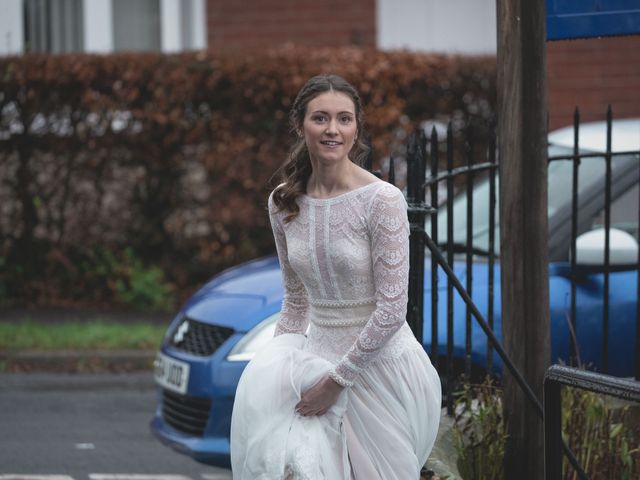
[319,398]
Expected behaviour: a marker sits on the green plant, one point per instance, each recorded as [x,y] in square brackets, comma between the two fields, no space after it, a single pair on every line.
[142,287]
[479,431]
[603,433]
[3,287]
[124,277]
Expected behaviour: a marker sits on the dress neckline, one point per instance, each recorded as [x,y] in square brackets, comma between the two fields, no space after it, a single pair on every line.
[340,196]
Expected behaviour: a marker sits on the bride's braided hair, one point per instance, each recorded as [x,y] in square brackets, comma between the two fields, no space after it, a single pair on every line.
[295,172]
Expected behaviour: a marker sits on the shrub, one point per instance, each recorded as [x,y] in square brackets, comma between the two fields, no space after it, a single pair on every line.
[479,431]
[161,153]
[603,433]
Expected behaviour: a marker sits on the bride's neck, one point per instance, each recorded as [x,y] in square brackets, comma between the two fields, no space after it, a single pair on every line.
[329,179]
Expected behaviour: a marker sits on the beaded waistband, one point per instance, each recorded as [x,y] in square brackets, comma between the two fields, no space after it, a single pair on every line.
[319,302]
[341,314]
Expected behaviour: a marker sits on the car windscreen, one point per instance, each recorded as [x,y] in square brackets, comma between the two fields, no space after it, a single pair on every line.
[560,175]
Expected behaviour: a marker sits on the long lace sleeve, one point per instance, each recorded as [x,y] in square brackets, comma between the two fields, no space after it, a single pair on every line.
[295,304]
[389,236]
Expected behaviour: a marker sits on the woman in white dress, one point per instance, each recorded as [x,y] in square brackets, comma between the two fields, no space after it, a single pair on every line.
[344,390]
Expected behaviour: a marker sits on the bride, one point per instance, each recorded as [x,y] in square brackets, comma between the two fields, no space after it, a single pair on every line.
[344,390]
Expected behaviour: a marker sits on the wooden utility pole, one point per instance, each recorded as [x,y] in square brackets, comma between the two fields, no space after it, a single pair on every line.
[522,145]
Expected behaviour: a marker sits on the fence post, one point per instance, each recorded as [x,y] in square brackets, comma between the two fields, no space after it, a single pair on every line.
[416,152]
[552,430]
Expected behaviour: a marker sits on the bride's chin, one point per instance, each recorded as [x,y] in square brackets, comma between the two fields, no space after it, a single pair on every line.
[329,160]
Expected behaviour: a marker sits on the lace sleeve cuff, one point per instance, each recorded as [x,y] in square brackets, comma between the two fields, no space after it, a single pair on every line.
[333,374]
[345,372]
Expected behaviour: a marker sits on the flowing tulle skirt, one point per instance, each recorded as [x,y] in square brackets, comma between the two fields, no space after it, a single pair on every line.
[381,428]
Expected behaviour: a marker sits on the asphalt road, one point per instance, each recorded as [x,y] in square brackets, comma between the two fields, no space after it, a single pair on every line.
[95,427]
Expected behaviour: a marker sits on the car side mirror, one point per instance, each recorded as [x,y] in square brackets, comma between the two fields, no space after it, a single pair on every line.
[623,249]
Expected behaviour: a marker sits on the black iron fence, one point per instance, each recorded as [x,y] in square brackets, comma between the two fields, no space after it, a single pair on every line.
[468,248]
[423,152]
[627,175]
[593,197]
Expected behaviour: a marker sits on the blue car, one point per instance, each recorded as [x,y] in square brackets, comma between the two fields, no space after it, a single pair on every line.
[219,329]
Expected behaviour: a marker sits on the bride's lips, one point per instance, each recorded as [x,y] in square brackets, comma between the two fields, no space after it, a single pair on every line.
[330,143]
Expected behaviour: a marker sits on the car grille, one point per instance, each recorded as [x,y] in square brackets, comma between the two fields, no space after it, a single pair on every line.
[198,338]
[186,414]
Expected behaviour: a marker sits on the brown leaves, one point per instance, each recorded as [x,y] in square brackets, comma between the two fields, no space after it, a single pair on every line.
[194,139]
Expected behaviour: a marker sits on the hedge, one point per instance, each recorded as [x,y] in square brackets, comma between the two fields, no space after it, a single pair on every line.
[119,165]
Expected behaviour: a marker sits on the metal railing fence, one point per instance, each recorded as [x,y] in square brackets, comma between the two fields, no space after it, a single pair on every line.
[423,152]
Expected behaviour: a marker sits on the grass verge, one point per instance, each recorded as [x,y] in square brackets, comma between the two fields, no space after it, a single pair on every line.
[77,335]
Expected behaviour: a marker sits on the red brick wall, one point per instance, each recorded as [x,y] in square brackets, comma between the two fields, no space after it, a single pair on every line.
[267,23]
[591,74]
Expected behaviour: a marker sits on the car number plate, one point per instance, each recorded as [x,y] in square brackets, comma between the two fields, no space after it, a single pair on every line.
[171,374]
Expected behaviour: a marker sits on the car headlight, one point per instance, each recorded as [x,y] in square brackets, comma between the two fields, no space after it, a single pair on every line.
[172,327]
[254,340]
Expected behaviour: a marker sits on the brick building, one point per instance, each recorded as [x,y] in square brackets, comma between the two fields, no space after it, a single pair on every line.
[592,73]
[258,23]
[589,73]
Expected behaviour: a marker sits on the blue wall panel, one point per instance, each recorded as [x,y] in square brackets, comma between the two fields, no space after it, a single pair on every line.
[567,19]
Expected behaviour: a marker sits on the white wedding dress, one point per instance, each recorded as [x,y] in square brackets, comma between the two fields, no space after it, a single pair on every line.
[345,264]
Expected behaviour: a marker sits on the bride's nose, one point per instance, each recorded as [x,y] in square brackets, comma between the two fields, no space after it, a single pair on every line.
[332,128]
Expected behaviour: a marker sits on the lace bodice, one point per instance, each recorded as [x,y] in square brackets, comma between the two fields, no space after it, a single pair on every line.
[345,265]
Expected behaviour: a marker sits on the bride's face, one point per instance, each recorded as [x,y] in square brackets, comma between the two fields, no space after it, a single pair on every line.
[330,127]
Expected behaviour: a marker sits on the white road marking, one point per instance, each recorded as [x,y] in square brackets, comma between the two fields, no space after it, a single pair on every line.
[85,446]
[119,476]
[127,476]
[35,477]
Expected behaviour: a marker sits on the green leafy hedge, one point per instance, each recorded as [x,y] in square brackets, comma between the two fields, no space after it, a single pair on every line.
[171,156]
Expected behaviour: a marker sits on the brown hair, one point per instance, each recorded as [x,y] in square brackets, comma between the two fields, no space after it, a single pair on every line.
[295,172]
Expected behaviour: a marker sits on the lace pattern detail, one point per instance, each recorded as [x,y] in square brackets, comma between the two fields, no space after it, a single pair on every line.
[333,343]
[341,253]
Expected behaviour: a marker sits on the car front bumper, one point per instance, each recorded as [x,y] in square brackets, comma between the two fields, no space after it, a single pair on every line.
[207,449]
